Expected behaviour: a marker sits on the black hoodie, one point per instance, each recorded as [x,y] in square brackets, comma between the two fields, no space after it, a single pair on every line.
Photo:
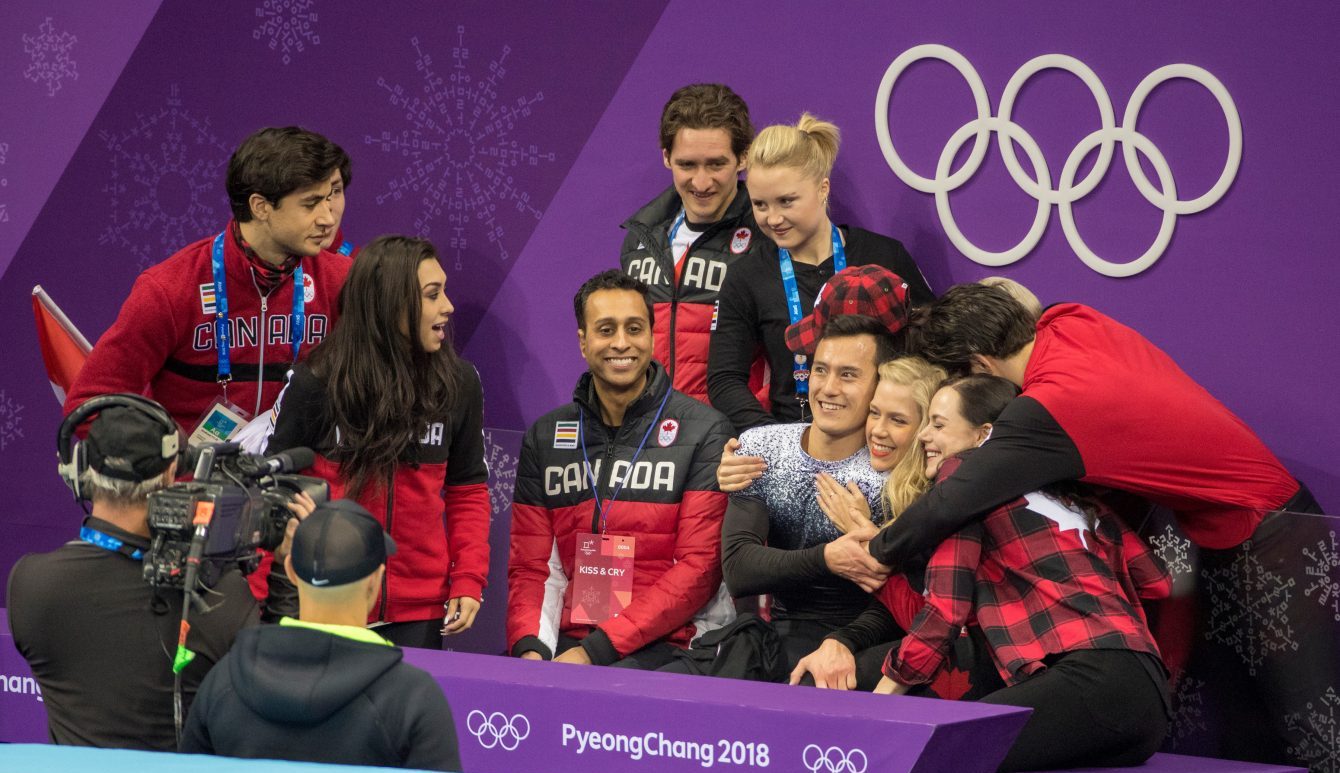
[295,693]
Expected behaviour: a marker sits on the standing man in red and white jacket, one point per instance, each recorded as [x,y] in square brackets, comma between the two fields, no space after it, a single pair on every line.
[235,288]
[616,516]
[683,242]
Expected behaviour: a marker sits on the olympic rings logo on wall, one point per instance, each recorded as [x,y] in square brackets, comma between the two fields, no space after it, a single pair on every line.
[833,760]
[1039,186]
[498,729]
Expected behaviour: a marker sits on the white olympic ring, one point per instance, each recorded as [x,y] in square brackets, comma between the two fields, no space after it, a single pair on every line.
[1039,186]
[501,730]
[833,759]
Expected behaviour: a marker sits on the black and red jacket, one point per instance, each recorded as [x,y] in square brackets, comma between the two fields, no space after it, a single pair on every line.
[669,502]
[163,337]
[686,304]
[436,507]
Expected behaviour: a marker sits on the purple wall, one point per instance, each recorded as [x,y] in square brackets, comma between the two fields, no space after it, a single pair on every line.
[519,141]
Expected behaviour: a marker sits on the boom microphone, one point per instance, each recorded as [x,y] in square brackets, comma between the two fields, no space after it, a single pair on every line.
[292,460]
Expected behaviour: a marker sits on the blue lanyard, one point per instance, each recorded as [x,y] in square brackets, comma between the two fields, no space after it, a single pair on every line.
[346,249]
[800,369]
[604,507]
[222,343]
[107,542]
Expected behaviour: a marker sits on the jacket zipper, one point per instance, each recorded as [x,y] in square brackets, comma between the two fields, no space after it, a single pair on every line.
[606,472]
[261,336]
[390,509]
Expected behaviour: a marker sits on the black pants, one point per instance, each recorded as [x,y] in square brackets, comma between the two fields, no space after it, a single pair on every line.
[649,658]
[801,637]
[1090,708]
[1268,649]
[425,634]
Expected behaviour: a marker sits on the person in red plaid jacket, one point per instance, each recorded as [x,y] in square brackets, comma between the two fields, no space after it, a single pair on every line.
[1054,581]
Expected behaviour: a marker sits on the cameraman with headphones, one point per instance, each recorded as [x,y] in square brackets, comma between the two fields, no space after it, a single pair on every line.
[99,639]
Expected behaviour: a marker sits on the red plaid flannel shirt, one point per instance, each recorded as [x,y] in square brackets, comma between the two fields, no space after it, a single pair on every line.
[1035,591]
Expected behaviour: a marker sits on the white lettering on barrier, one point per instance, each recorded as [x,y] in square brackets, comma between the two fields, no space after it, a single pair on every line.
[657,744]
[21,685]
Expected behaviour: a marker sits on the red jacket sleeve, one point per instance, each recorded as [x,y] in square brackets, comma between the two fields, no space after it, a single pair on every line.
[950,585]
[466,496]
[133,350]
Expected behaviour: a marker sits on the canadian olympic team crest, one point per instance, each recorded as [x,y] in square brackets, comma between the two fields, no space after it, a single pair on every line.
[498,729]
[1039,185]
[833,760]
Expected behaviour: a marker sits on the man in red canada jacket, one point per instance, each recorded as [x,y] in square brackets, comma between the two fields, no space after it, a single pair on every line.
[629,465]
[236,286]
[684,241]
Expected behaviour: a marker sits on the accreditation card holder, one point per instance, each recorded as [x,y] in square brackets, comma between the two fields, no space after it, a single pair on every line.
[603,585]
[220,423]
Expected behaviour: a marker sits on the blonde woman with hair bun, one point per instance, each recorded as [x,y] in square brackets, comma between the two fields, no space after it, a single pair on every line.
[788,180]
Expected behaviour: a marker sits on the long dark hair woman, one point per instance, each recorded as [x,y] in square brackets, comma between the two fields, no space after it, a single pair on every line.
[396,419]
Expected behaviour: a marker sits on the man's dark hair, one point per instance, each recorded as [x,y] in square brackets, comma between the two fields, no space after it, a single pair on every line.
[848,325]
[275,162]
[971,319]
[707,106]
[982,397]
[613,279]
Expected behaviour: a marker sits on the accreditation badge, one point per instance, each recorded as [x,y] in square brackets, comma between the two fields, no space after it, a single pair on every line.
[602,585]
[220,423]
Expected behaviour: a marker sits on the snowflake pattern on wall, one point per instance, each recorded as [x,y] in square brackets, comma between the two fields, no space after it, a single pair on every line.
[11,420]
[4,181]
[49,57]
[1188,710]
[1324,563]
[1320,744]
[1249,609]
[165,188]
[461,149]
[502,474]
[288,26]
[1174,549]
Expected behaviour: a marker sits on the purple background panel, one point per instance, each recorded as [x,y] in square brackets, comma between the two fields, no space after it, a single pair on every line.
[58,62]
[23,718]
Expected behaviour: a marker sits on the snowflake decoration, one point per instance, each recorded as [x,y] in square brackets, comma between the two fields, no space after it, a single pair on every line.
[11,419]
[502,474]
[1249,609]
[461,149]
[1174,549]
[1324,564]
[166,180]
[1320,735]
[288,25]
[1188,710]
[50,57]
[4,181]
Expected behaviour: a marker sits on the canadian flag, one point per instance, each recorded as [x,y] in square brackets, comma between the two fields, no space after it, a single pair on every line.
[64,348]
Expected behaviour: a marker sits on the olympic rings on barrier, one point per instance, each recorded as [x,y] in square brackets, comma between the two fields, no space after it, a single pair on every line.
[833,760]
[498,729]
[1039,185]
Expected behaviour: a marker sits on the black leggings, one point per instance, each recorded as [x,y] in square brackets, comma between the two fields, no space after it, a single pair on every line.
[1090,708]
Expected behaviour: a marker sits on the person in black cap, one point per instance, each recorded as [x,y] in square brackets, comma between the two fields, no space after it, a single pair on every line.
[98,638]
[323,688]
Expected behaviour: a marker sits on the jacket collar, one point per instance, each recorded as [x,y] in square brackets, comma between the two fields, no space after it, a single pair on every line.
[112,530]
[657,385]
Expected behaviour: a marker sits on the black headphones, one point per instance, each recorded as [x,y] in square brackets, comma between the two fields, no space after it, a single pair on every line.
[71,462]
